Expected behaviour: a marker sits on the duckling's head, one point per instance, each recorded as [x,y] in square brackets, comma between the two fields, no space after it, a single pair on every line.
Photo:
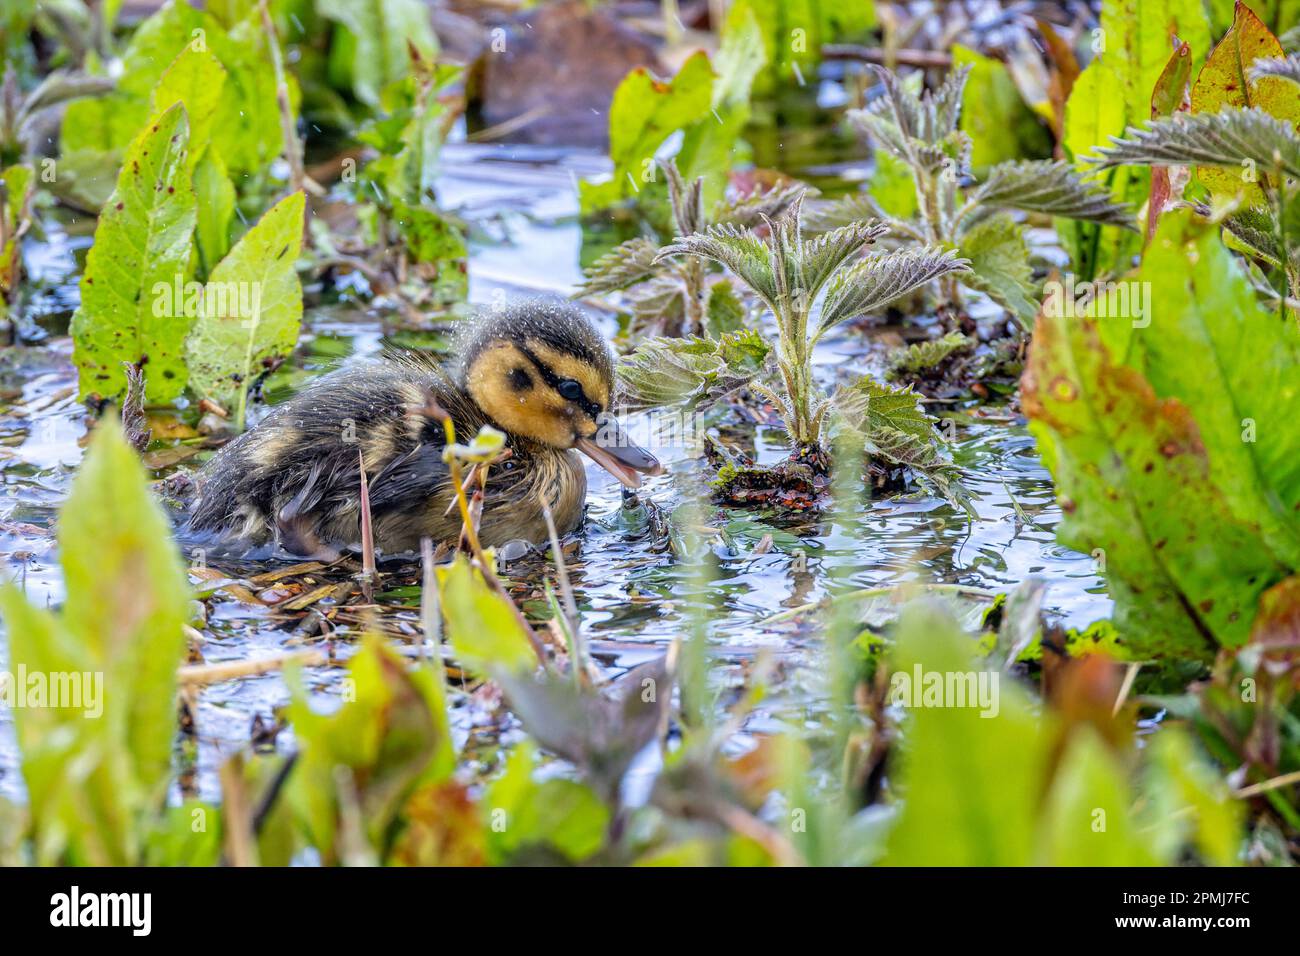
[541,371]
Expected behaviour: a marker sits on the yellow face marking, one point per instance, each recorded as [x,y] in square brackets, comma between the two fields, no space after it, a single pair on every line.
[569,366]
[536,412]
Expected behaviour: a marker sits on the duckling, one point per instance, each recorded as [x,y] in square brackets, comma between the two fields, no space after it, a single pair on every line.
[539,372]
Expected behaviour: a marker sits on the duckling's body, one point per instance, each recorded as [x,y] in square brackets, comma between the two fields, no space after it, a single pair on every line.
[294,479]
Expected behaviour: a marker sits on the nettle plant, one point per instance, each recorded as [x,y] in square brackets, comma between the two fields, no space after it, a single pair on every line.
[678,297]
[1246,157]
[809,285]
[789,273]
[954,212]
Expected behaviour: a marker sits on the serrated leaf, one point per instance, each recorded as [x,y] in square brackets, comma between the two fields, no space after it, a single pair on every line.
[819,258]
[869,405]
[1224,82]
[1286,68]
[624,265]
[142,245]
[750,211]
[1225,139]
[252,308]
[1052,188]
[999,266]
[670,371]
[922,356]
[877,280]
[738,249]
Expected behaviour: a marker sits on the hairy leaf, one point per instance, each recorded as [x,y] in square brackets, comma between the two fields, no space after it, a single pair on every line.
[868,405]
[922,356]
[141,253]
[624,265]
[1287,68]
[878,280]
[999,266]
[1227,139]
[1052,188]
[738,249]
[669,371]
[750,211]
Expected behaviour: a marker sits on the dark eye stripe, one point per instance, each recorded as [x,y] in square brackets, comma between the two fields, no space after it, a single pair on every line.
[557,383]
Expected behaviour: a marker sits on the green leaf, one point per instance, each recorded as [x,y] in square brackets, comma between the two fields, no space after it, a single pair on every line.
[1052,188]
[249,115]
[1178,780]
[869,405]
[1225,82]
[381,30]
[436,245]
[994,115]
[252,307]
[1234,366]
[1113,93]
[196,81]
[922,356]
[893,187]
[215,195]
[1086,820]
[97,769]
[559,816]
[389,737]
[969,783]
[671,370]
[999,266]
[877,280]
[624,265]
[141,251]
[1129,468]
[1229,140]
[644,112]
[481,626]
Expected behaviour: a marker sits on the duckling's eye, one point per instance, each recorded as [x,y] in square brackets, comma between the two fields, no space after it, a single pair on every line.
[570,389]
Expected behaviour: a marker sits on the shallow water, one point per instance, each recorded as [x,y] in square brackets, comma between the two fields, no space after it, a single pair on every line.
[522,206]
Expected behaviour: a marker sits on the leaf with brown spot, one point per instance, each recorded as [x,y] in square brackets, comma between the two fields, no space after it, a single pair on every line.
[1169,541]
[1224,82]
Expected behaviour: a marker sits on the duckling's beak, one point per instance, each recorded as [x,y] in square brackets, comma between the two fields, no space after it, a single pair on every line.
[618,454]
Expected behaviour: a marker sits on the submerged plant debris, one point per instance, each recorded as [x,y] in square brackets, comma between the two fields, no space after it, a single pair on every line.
[973,380]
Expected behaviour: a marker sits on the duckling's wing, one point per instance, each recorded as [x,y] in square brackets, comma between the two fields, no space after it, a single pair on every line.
[409,480]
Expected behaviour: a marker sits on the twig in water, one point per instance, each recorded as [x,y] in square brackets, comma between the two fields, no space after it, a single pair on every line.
[212,673]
